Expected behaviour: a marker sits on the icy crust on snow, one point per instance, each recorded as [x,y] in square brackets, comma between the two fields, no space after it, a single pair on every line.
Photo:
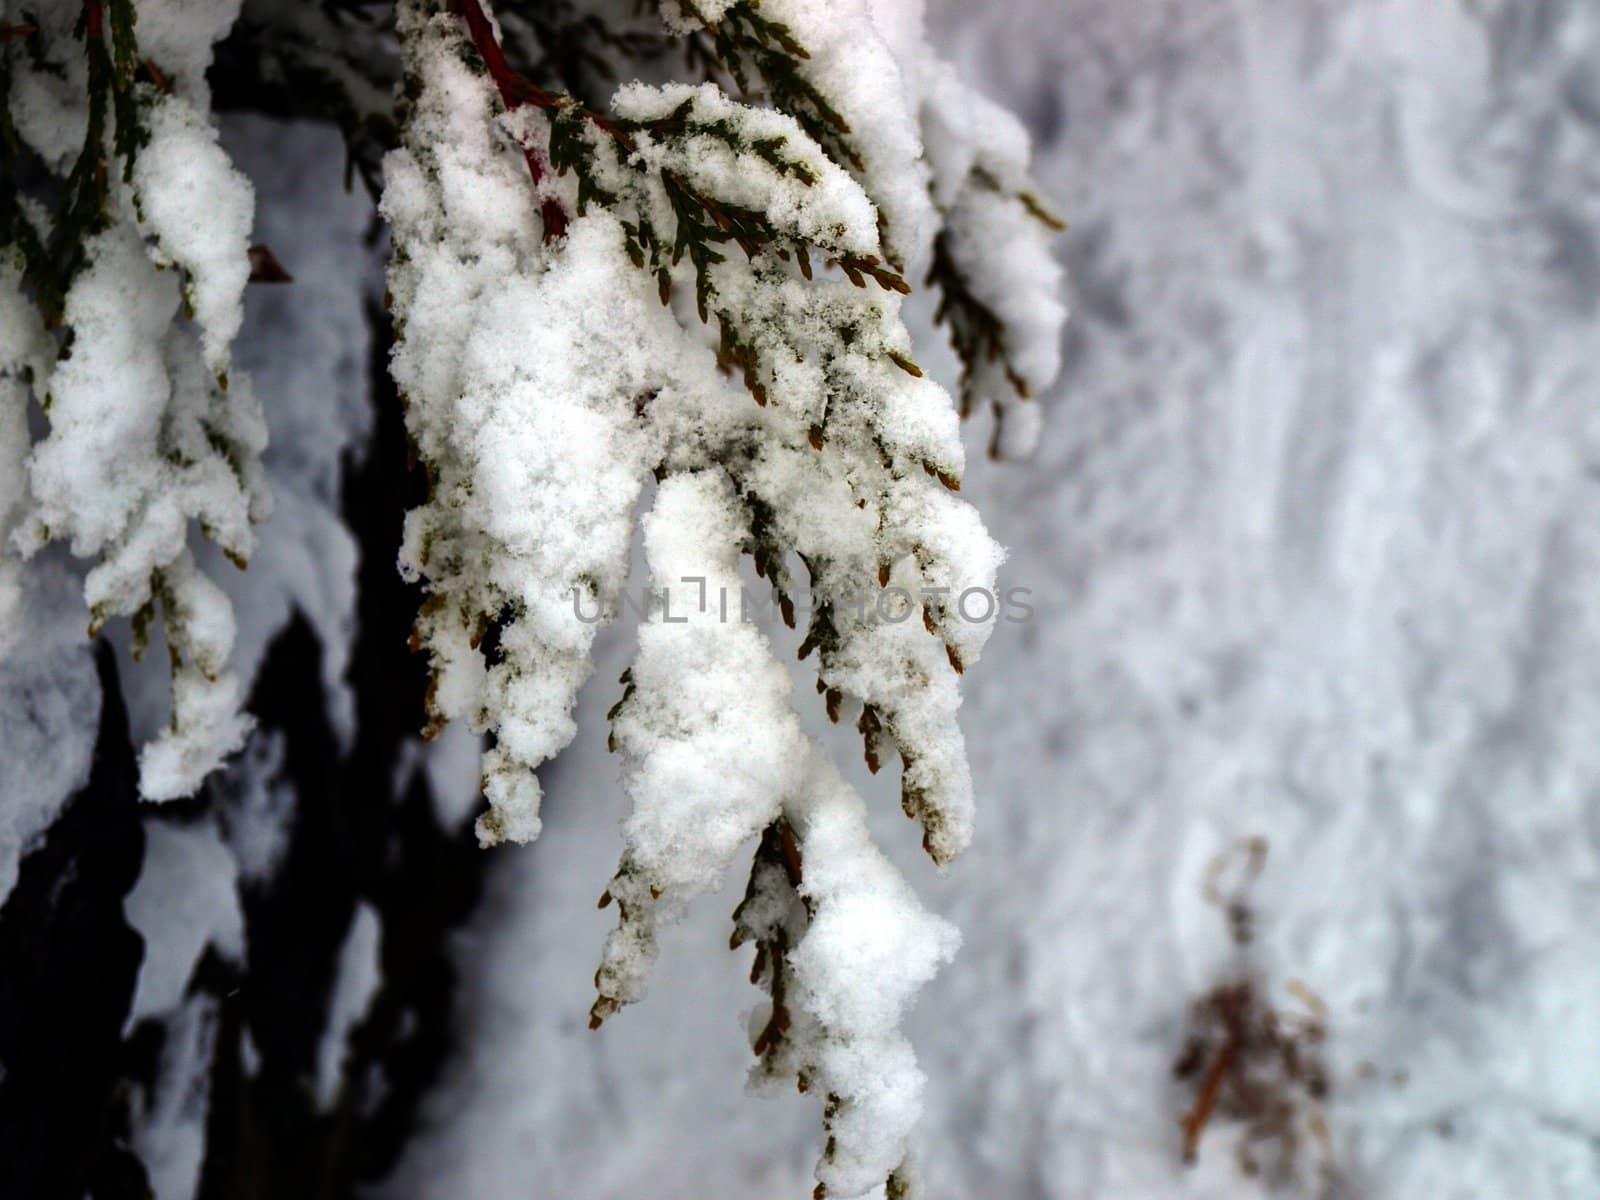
[1324,542]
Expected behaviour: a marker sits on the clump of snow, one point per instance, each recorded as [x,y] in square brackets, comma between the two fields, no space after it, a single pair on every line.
[141,442]
[862,57]
[50,714]
[800,190]
[147,437]
[869,946]
[47,106]
[997,237]
[356,983]
[198,207]
[521,380]
[180,35]
[25,354]
[682,18]
[207,722]
[710,747]
[186,900]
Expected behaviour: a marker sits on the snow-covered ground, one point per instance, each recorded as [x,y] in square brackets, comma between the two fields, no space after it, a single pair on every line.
[1314,541]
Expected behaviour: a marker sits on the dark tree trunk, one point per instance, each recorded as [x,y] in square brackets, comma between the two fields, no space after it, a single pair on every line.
[71,964]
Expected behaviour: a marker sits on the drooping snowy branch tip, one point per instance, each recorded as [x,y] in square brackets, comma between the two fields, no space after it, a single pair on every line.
[685,294]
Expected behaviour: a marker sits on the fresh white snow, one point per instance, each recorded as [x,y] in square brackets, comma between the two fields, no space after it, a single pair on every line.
[1312,535]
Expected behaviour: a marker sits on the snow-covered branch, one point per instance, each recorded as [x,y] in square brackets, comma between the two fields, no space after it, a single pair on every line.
[688,297]
[140,268]
[552,361]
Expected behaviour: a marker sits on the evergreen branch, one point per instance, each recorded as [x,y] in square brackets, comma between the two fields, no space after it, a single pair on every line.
[50,264]
[752,48]
[16,228]
[1036,207]
[515,91]
[976,332]
[702,222]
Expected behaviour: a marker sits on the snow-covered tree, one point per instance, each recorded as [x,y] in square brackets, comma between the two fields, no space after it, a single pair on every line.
[682,294]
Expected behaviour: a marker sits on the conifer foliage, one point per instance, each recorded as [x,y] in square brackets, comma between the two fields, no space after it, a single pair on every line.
[121,300]
[682,294]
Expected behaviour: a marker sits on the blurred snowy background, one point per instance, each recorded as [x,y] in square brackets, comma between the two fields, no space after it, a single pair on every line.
[1314,542]
[1313,539]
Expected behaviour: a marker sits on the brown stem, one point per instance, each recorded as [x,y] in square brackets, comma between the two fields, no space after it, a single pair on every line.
[515,91]
[1210,1089]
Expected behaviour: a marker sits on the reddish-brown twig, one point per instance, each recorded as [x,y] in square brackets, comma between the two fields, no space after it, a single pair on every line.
[515,91]
[1231,1003]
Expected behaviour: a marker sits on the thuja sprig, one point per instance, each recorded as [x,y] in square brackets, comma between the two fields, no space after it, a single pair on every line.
[762,54]
[1035,206]
[703,225]
[775,871]
[977,333]
[515,91]
[16,229]
[50,264]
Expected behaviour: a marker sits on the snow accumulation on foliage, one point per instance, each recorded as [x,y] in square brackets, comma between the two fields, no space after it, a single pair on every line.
[147,434]
[552,361]
[687,301]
